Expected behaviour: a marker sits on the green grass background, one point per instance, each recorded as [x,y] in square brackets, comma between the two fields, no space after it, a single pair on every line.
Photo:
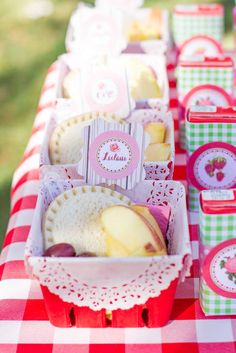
[27,48]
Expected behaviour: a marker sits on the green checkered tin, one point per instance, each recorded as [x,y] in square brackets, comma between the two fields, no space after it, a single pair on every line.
[194,20]
[211,151]
[203,81]
[217,226]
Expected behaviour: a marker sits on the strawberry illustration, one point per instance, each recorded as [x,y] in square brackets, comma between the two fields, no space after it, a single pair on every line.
[220,176]
[209,168]
[199,51]
[230,265]
[114,147]
[219,163]
[101,85]
[204,101]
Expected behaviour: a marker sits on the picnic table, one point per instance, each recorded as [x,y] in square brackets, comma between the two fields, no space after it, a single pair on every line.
[24,326]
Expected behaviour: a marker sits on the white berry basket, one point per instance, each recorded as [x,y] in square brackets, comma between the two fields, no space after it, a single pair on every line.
[86,291]
[150,46]
[157,62]
[155,170]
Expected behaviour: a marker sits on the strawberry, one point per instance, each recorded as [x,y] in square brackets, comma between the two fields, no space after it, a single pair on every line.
[220,176]
[219,163]
[209,168]
[114,147]
[205,101]
[230,265]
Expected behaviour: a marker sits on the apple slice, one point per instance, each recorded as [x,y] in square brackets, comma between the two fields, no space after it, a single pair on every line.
[142,80]
[115,248]
[157,152]
[156,131]
[144,89]
[148,251]
[143,252]
[130,229]
[145,212]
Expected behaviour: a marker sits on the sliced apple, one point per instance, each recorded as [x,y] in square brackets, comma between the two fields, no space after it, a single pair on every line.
[142,80]
[135,32]
[130,229]
[70,85]
[145,88]
[148,251]
[156,131]
[142,252]
[157,152]
[115,248]
[145,212]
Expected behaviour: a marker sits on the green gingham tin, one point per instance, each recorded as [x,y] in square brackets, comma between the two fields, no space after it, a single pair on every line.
[214,304]
[203,82]
[203,138]
[216,228]
[192,20]
[182,133]
[216,240]
[190,76]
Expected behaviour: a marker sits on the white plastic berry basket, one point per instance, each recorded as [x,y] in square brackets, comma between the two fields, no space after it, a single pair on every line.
[95,287]
[150,46]
[157,62]
[157,170]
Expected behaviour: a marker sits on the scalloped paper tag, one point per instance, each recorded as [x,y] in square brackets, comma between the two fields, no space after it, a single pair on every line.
[201,45]
[105,89]
[213,166]
[99,32]
[113,152]
[219,269]
[207,95]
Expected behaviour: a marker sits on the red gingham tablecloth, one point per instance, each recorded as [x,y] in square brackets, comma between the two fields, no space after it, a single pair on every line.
[24,327]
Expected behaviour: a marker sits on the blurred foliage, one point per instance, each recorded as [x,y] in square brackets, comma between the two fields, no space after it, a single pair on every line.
[27,48]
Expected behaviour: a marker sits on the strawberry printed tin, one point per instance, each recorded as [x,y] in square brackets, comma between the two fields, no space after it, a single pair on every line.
[203,81]
[193,20]
[211,150]
[201,45]
[217,224]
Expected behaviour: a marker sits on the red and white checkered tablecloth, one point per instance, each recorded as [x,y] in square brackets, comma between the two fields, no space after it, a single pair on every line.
[24,327]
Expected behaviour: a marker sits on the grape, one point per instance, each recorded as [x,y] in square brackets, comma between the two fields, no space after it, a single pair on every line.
[60,250]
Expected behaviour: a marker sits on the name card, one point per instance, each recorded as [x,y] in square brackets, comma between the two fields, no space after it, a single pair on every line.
[99,32]
[105,89]
[113,152]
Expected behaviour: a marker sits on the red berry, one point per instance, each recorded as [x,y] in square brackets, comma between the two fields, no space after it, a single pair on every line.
[209,168]
[230,265]
[219,163]
[220,176]
[60,250]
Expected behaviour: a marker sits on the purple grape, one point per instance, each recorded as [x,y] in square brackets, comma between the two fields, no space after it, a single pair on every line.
[60,250]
